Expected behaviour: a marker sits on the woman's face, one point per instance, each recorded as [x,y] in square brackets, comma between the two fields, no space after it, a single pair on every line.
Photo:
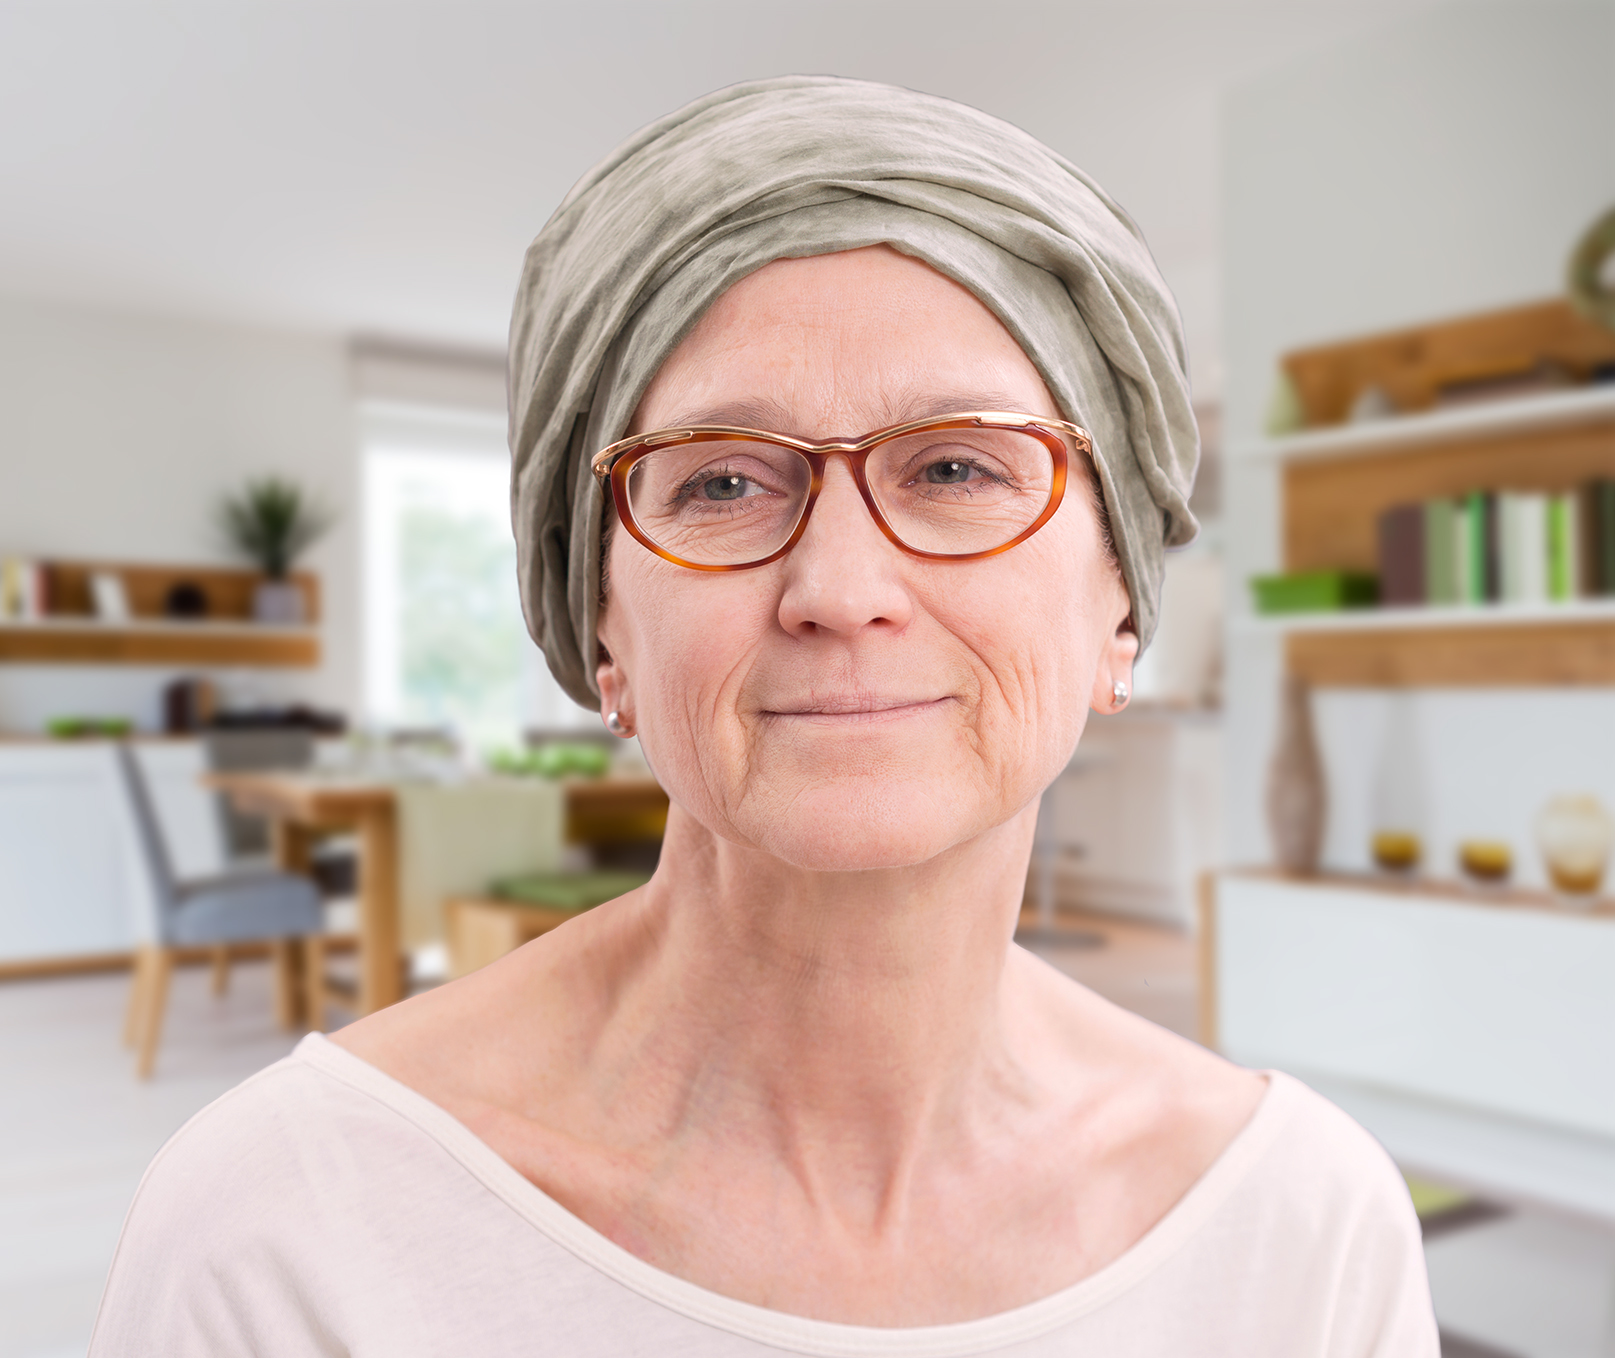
[852,706]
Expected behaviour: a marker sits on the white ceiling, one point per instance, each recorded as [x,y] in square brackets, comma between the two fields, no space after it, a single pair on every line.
[379,168]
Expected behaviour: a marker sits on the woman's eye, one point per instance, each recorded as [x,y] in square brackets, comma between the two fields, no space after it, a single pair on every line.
[948,473]
[724,487]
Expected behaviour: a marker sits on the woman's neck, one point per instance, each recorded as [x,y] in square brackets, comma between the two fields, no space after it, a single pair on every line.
[857,1011]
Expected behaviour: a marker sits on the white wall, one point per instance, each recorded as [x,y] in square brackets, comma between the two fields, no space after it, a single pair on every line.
[118,435]
[1446,166]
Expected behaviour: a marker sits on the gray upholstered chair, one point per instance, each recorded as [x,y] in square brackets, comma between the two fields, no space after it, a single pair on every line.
[260,905]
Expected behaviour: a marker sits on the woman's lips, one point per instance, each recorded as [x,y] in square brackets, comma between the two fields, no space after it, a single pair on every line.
[856,711]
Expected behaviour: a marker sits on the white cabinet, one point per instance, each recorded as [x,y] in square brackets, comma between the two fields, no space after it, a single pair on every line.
[1472,1038]
[71,881]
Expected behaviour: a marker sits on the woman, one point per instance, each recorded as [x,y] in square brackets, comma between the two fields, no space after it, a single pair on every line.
[826,348]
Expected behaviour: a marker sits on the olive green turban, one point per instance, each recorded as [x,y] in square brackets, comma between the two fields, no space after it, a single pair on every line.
[807,165]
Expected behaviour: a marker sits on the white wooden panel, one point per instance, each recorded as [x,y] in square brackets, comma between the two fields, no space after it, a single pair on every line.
[188,813]
[1511,1010]
[64,853]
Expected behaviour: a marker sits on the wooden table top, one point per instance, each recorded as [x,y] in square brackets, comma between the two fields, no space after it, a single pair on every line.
[319,798]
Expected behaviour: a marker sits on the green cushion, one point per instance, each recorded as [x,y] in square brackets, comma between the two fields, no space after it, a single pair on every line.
[568,890]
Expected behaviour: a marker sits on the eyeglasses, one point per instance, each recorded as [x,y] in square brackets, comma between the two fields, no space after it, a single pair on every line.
[956,488]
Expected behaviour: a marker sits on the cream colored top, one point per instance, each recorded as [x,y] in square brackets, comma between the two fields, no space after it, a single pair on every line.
[324,1208]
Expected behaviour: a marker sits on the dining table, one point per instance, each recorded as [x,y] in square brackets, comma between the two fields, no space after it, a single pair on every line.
[303,807]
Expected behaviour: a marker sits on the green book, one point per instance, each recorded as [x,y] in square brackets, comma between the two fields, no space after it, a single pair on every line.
[1562,547]
[1440,552]
[1460,550]
[1477,521]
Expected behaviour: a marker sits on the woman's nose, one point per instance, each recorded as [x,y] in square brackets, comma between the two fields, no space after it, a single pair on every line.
[843,574]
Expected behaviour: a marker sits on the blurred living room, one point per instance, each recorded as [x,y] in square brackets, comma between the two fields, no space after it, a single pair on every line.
[259,606]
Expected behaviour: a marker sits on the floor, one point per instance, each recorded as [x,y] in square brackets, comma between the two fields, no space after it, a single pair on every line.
[76,1131]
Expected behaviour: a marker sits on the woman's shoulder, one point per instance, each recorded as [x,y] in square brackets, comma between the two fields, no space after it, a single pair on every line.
[303,1194]
[272,1130]
[1322,1168]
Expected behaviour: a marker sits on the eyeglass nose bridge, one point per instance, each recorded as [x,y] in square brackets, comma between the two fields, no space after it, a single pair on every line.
[818,460]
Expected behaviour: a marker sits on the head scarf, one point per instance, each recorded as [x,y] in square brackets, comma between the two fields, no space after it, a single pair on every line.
[812,165]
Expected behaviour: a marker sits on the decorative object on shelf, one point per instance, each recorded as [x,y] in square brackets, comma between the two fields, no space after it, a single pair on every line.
[1371,403]
[1487,861]
[1285,412]
[1297,795]
[1592,295]
[189,705]
[185,599]
[272,522]
[22,590]
[296,717]
[1400,808]
[85,728]
[1493,356]
[1575,835]
[1314,591]
[110,598]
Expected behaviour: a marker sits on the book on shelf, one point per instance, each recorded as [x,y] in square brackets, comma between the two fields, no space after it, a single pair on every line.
[22,590]
[1500,546]
[1442,577]
[1402,566]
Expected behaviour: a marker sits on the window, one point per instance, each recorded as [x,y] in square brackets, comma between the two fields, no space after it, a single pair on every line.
[446,646]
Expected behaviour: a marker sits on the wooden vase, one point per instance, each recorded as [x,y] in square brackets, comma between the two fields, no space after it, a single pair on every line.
[1297,796]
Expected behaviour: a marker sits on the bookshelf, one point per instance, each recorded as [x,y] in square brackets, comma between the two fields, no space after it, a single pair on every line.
[1336,481]
[70,634]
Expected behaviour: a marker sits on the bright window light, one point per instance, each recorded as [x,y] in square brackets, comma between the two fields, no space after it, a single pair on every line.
[446,647]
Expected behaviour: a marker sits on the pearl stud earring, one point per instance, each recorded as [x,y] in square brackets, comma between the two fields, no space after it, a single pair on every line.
[614,724]
[1119,692]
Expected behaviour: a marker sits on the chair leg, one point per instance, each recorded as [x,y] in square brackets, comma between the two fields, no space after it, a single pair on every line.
[137,988]
[288,989]
[159,966]
[314,982]
[221,969]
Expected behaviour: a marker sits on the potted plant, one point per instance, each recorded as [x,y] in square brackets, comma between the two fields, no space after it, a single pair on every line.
[271,523]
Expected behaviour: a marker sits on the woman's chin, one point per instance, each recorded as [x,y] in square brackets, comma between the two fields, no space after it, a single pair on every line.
[840,829]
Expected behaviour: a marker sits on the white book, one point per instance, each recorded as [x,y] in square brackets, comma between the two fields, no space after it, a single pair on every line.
[111,602]
[1522,522]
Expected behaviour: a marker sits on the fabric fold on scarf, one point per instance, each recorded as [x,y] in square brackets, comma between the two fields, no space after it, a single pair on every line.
[812,165]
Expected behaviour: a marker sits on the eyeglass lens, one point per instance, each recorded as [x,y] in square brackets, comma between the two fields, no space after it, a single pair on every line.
[727,501]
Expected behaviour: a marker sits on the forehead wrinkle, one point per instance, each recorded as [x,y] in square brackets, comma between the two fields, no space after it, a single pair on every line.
[771,416]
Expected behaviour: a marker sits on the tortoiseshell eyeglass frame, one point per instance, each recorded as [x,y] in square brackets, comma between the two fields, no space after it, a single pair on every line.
[615,463]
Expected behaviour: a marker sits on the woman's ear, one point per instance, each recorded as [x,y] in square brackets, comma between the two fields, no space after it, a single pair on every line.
[1113,677]
[616,697]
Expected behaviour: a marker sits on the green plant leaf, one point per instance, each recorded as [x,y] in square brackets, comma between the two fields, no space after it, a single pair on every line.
[272,522]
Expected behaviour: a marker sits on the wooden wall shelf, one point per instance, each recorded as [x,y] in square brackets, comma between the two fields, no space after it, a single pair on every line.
[73,641]
[1580,405]
[226,636]
[1336,482]
[1524,655]
[1494,646]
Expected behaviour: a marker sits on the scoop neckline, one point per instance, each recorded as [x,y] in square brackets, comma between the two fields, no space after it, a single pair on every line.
[802,1334]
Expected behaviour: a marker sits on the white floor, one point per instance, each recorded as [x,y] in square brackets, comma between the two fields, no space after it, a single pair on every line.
[77,1129]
